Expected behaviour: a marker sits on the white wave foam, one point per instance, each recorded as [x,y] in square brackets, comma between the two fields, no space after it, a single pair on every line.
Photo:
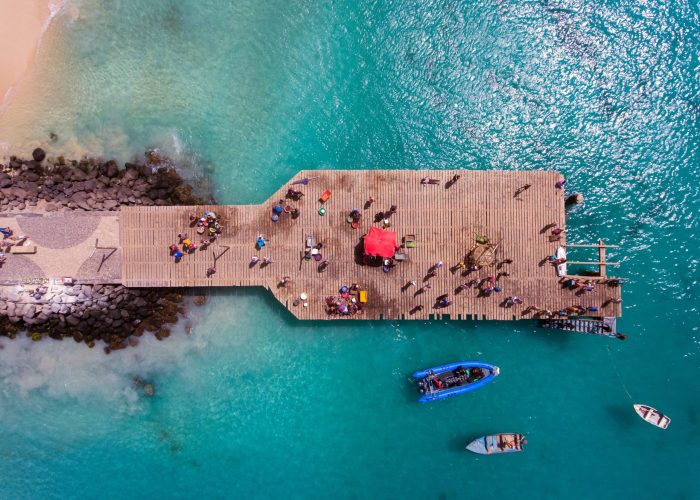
[55,7]
[63,370]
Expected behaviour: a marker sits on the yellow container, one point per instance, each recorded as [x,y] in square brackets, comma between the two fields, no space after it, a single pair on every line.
[363,296]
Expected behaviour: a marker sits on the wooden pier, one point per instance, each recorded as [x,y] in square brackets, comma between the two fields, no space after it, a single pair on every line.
[513,209]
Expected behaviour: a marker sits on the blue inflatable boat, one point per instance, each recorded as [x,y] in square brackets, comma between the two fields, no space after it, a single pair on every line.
[445,381]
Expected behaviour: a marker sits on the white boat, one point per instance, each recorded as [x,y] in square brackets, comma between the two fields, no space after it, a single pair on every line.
[497,443]
[652,415]
[561,268]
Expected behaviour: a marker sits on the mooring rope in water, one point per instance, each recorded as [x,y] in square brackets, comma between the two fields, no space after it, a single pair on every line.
[618,373]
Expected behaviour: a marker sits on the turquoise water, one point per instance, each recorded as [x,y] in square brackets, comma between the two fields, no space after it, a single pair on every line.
[253,404]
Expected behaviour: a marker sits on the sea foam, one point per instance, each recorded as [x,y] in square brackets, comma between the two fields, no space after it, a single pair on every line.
[63,370]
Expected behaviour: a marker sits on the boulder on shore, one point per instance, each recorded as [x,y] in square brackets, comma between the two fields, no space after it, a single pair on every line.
[38,154]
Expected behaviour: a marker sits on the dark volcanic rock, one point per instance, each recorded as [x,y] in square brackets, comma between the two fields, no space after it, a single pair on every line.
[30,176]
[5,181]
[38,154]
[111,169]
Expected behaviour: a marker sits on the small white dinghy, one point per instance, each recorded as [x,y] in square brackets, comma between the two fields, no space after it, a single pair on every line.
[652,415]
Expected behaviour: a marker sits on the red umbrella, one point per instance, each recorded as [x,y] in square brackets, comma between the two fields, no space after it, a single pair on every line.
[380,243]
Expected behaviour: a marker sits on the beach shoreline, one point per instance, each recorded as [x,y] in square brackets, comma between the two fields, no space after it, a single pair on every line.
[22,23]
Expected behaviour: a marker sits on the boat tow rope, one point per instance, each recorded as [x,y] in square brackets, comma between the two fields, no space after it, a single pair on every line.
[618,373]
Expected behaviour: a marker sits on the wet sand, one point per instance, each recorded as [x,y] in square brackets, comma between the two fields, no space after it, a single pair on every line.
[21,25]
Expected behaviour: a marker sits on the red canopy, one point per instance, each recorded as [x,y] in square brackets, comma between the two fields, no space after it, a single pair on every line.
[380,243]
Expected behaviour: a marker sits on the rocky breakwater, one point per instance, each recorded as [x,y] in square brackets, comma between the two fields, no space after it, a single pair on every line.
[89,314]
[111,314]
[90,184]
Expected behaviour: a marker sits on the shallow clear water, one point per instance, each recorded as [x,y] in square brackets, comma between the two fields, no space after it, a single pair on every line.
[256,404]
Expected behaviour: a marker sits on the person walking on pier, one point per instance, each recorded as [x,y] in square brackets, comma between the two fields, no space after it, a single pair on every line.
[425,288]
[211,271]
[284,280]
[612,301]
[521,189]
[266,261]
[254,260]
[443,300]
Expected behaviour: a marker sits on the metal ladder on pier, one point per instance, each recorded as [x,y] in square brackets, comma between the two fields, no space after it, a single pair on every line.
[606,327]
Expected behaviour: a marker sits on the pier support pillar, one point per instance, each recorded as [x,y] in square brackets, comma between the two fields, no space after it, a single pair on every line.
[574,199]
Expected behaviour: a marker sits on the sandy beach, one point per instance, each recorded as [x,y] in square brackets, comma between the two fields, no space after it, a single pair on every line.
[21,24]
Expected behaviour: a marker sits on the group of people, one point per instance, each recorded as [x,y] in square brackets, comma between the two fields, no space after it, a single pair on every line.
[39,292]
[282,208]
[8,241]
[346,302]
[385,217]
[208,230]
[489,285]
[583,285]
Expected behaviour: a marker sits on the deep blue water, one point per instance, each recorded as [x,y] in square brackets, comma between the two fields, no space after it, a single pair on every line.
[254,404]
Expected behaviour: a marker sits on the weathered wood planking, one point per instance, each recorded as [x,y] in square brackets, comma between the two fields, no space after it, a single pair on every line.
[444,220]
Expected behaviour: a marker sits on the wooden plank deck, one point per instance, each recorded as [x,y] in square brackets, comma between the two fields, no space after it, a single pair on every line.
[444,220]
